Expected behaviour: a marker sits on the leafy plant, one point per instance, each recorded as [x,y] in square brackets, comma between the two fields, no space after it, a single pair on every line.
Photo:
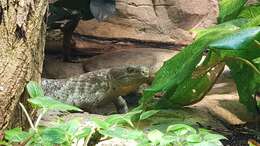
[61,133]
[234,42]
[115,126]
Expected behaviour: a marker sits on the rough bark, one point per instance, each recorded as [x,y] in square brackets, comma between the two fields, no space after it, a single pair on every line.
[22,40]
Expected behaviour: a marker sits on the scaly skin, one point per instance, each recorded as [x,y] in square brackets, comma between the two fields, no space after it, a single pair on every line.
[91,90]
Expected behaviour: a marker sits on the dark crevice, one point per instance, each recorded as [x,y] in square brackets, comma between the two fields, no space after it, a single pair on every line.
[141,43]
[20,33]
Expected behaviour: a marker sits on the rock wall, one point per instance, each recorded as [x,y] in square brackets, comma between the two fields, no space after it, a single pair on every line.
[146,23]
[151,21]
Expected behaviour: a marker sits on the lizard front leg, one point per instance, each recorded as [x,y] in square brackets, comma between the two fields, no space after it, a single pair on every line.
[121,105]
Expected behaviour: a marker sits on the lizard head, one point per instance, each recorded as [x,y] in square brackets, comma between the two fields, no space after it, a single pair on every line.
[128,78]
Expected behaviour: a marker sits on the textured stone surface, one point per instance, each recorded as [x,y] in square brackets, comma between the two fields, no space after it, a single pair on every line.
[55,68]
[147,23]
[166,21]
[151,57]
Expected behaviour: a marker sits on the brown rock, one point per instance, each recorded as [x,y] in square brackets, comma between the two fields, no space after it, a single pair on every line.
[55,68]
[151,22]
[150,57]
[223,102]
[153,58]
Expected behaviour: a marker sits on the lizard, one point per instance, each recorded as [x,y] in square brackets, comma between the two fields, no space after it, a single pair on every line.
[91,90]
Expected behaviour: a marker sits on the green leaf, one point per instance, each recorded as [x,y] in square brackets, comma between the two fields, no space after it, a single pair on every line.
[193,138]
[3,143]
[244,39]
[155,136]
[167,140]
[34,89]
[71,127]
[17,135]
[123,133]
[100,123]
[257,60]
[181,129]
[230,9]
[53,135]
[175,70]
[213,137]
[180,67]
[250,12]
[252,23]
[206,143]
[119,119]
[193,89]
[238,50]
[230,25]
[247,79]
[85,132]
[52,104]
[147,114]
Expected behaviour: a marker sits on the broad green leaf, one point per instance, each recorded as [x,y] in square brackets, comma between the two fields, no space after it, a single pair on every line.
[240,44]
[147,114]
[177,69]
[85,132]
[230,25]
[206,143]
[234,50]
[250,12]
[53,135]
[167,140]
[230,9]
[257,60]
[34,89]
[193,138]
[101,123]
[123,133]
[193,89]
[243,39]
[155,136]
[247,79]
[3,143]
[134,115]
[180,67]
[52,104]
[17,135]
[119,119]
[181,129]
[71,126]
[252,22]
[213,137]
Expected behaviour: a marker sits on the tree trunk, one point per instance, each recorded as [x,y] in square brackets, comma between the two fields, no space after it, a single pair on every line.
[22,40]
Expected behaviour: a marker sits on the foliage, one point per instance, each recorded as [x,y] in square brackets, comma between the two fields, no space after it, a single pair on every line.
[184,80]
[63,133]
[177,134]
[115,126]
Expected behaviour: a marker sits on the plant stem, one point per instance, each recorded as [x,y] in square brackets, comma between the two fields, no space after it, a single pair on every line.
[40,117]
[27,115]
[88,137]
